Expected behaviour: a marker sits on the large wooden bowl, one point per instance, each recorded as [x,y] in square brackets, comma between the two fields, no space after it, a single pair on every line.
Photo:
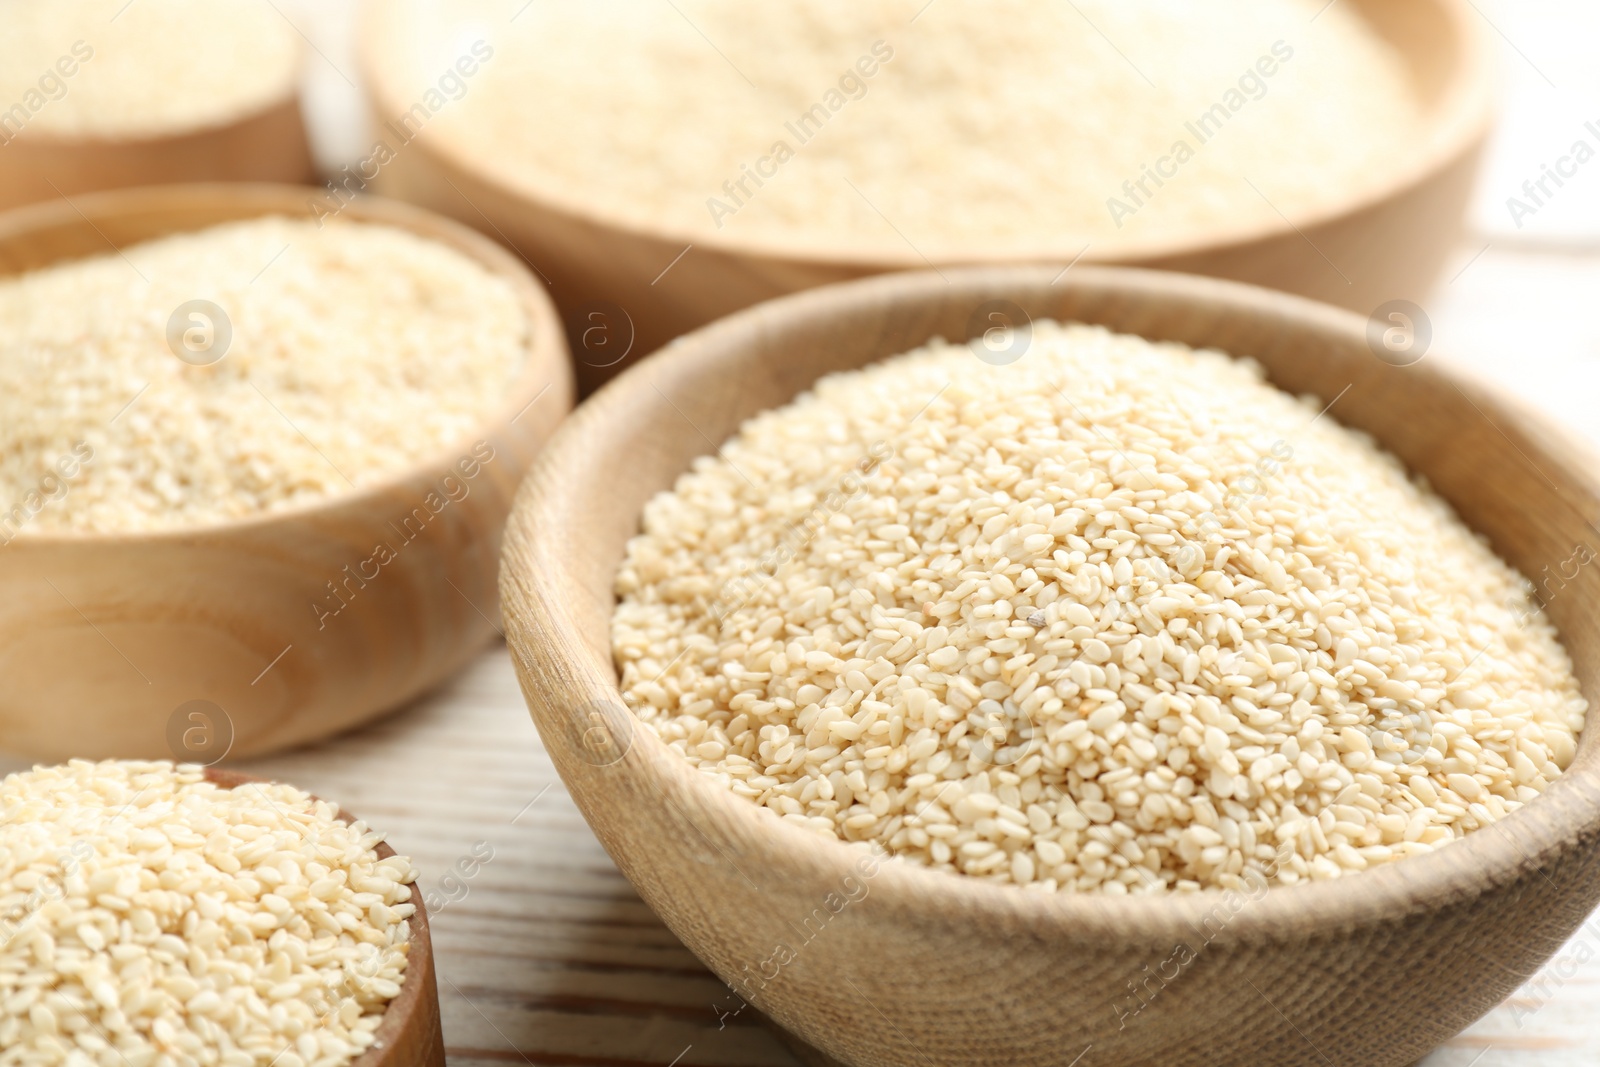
[1386,241]
[107,639]
[410,1034]
[930,967]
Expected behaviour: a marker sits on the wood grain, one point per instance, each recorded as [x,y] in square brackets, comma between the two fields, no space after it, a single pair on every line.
[409,1035]
[1386,241]
[736,884]
[116,633]
[267,145]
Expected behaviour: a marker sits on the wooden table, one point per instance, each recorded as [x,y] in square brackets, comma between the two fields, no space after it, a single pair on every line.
[547,956]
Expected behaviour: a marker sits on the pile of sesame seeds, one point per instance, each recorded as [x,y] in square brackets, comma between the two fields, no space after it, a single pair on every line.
[152,917]
[245,368]
[109,69]
[865,125]
[1117,617]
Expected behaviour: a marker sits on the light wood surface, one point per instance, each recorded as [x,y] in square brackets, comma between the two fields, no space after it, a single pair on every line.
[267,145]
[1387,241]
[117,634]
[409,1035]
[736,884]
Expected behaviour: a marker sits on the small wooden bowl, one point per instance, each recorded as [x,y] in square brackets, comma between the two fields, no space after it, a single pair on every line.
[1387,241]
[268,144]
[410,1034]
[111,644]
[929,967]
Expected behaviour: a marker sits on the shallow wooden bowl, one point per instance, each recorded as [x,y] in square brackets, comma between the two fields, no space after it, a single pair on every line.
[113,644]
[927,967]
[268,144]
[1387,241]
[410,1034]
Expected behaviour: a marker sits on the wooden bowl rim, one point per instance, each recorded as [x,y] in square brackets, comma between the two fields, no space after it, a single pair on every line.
[1469,866]
[1454,126]
[546,366]
[160,139]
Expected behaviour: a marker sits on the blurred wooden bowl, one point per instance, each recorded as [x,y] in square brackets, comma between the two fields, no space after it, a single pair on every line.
[268,144]
[924,966]
[410,1034]
[1388,241]
[111,643]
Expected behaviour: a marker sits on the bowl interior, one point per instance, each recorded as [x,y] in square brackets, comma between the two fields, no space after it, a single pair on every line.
[47,234]
[1440,43]
[1508,474]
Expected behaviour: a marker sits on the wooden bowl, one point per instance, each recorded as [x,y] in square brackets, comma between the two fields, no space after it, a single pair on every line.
[410,1034]
[1387,241]
[268,144]
[930,967]
[111,643]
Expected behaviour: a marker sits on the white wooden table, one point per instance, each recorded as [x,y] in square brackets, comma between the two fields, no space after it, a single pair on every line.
[547,957]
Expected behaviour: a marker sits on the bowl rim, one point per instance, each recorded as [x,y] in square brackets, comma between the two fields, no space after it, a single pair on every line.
[1531,837]
[546,366]
[1455,126]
